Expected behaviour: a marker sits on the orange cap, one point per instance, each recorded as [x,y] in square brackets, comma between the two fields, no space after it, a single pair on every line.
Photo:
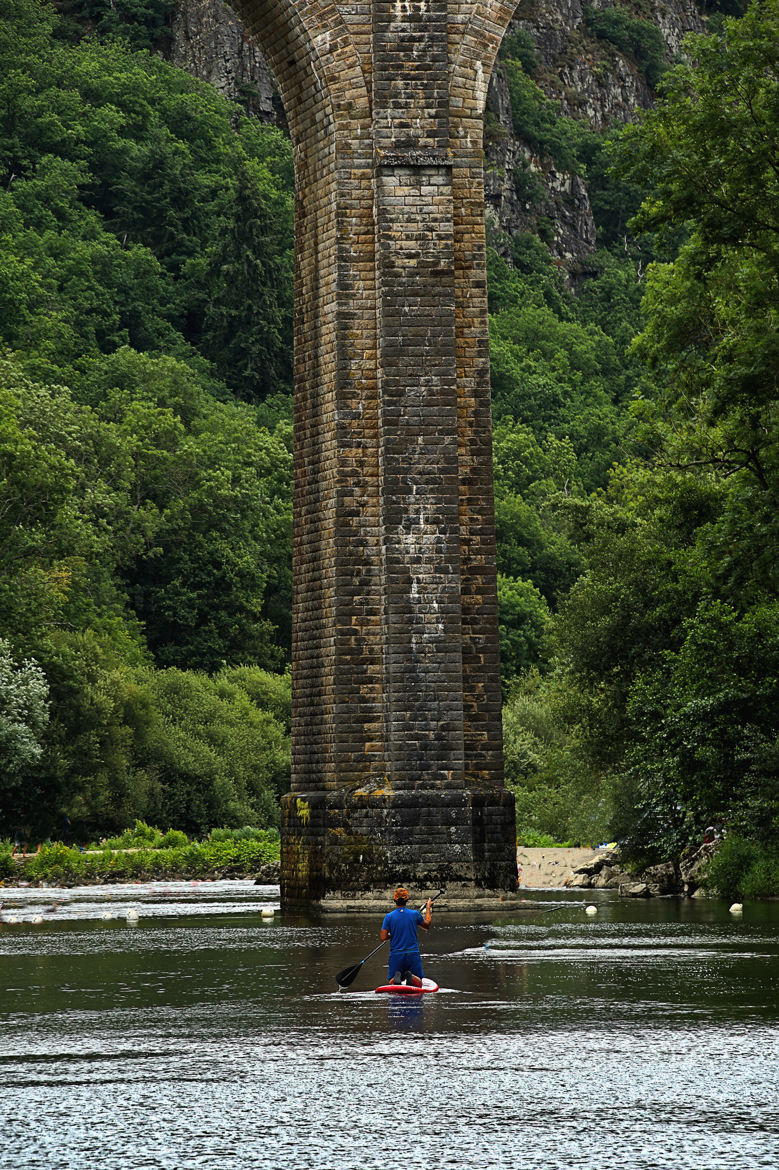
[400,895]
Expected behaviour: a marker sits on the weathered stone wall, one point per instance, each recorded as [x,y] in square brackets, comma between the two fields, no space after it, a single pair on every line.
[395,635]
[346,845]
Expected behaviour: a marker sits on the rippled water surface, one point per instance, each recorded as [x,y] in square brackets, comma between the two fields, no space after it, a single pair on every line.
[643,1037]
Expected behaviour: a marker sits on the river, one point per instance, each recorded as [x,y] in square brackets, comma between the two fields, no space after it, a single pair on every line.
[644,1036]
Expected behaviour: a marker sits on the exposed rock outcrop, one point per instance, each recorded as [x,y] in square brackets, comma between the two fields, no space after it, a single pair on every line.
[269,875]
[683,877]
[693,866]
[588,76]
[523,189]
[590,80]
[211,43]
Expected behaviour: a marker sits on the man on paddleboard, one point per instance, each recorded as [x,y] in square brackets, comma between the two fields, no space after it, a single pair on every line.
[400,927]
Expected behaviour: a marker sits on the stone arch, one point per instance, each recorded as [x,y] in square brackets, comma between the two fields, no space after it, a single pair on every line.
[312,57]
[473,52]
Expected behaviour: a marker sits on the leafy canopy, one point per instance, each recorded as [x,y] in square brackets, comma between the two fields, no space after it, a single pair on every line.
[126,185]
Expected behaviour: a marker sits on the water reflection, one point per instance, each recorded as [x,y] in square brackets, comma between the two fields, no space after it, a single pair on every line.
[646,1034]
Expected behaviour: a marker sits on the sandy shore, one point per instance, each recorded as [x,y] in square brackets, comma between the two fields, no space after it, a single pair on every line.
[549,868]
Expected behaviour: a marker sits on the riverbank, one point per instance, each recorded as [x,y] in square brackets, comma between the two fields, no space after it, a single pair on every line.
[60,865]
[551,868]
[602,869]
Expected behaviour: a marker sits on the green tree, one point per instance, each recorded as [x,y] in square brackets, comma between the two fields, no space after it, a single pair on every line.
[220,759]
[710,151]
[666,644]
[524,619]
[58,552]
[537,487]
[100,704]
[107,508]
[215,493]
[144,513]
[121,179]
[24,713]
[247,319]
[558,377]
[555,791]
[703,720]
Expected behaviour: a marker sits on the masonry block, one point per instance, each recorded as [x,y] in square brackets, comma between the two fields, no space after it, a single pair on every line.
[395,627]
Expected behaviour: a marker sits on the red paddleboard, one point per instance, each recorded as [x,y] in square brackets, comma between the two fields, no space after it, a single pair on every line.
[404,989]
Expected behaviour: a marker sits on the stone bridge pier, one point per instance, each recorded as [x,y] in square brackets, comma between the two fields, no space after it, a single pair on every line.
[397,755]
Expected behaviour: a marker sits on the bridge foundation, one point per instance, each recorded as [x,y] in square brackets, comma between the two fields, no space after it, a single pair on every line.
[396,734]
[355,847]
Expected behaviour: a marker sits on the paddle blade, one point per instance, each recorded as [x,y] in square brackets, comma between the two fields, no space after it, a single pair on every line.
[348,975]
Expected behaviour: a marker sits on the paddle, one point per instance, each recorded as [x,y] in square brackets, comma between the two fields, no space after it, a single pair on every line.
[346,977]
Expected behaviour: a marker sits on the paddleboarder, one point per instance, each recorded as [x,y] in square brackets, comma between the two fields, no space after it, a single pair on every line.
[400,927]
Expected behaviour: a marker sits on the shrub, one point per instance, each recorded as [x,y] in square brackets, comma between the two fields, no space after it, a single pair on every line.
[762,879]
[744,869]
[55,862]
[520,46]
[141,836]
[527,185]
[247,833]
[7,864]
[225,858]
[631,35]
[537,120]
[174,839]
[532,839]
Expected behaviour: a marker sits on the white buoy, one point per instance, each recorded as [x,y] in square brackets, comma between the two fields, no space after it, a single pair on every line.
[11,918]
[737,908]
[590,909]
[132,915]
[107,916]
[267,912]
[38,919]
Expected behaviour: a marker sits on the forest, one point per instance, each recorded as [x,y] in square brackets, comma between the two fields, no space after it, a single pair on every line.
[146,243]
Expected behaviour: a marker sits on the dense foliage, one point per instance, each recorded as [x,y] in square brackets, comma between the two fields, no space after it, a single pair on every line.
[145,854]
[632,35]
[125,186]
[744,868]
[144,24]
[665,673]
[145,437]
[24,713]
[145,510]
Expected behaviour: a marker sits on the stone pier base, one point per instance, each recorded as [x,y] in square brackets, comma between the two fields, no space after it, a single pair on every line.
[348,850]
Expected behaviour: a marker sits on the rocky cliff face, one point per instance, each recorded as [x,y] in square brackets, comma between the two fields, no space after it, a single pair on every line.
[525,192]
[211,43]
[590,80]
[589,77]
[578,65]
